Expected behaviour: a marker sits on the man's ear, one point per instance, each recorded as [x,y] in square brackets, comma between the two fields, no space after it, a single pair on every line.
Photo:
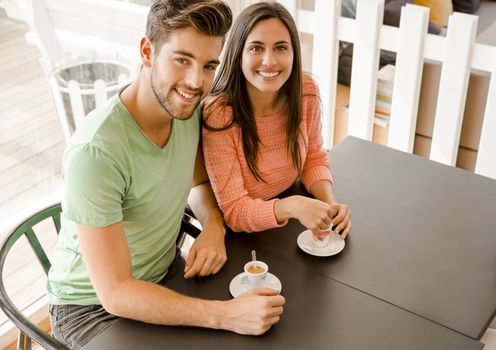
[146,51]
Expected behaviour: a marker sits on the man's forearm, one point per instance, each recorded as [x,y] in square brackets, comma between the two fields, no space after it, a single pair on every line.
[202,202]
[253,312]
[207,255]
[156,304]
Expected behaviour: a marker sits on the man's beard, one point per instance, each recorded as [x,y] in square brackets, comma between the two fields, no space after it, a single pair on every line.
[167,105]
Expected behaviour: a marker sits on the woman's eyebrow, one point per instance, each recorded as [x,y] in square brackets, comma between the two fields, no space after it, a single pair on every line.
[261,43]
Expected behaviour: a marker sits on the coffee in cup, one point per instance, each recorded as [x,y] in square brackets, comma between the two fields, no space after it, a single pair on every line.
[255,269]
[256,273]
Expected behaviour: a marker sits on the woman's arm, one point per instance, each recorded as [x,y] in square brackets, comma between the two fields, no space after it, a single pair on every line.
[316,175]
[316,165]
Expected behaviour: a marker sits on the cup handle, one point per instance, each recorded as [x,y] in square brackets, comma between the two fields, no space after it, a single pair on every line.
[244,279]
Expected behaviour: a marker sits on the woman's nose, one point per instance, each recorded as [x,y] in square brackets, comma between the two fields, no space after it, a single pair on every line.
[268,59]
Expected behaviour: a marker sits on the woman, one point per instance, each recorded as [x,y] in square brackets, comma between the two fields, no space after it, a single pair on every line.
[262,130]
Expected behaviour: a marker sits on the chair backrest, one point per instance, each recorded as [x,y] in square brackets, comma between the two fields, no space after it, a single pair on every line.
[458,53]
[13,313]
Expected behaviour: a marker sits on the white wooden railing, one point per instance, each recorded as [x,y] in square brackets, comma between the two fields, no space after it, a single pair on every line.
[457,52]
[116,26]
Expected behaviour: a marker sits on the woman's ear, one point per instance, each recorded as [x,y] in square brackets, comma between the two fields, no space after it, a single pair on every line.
[146,52]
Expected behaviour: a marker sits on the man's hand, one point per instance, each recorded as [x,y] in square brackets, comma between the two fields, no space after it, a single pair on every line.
[254,312]
[208,253]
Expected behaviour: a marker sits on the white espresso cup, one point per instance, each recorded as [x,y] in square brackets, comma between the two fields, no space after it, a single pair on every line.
[321,244]
[255,274]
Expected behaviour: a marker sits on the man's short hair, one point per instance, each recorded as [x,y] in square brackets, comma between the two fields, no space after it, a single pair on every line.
[211,18]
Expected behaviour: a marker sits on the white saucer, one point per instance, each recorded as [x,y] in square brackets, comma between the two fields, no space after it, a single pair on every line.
[237,287]
[305,242]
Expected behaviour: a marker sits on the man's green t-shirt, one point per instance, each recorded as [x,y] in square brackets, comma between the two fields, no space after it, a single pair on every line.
[113,172]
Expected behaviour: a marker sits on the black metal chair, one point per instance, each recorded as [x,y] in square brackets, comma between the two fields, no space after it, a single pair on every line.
[28,331]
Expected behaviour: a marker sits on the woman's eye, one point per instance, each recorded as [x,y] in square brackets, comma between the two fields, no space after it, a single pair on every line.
[181,60]
[255,49]
[281,48]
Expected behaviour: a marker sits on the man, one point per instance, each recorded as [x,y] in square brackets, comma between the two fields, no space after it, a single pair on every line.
[128,171]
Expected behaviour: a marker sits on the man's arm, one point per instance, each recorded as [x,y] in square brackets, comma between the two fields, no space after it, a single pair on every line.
[208,254]
[108,260]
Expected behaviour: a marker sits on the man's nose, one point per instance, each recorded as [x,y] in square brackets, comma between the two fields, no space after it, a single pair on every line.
[194,79]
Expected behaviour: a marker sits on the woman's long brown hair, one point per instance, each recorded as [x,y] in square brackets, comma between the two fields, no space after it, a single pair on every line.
[231,83]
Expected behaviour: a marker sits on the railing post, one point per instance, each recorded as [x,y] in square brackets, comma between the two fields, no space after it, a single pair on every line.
[325,61]
[291,6]
[486,159]
[76,102]
[408,77]
[365,66]
[453,86]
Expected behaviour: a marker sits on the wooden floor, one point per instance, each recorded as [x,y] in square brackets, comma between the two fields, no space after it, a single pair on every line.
[31,140]
[31,147]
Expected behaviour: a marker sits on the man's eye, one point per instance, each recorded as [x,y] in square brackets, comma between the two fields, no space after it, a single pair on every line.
[181,60]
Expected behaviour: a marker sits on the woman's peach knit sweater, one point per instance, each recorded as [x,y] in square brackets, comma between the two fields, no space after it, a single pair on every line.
[245,202]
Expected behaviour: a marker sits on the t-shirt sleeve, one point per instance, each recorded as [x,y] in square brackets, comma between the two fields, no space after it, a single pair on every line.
[95,187]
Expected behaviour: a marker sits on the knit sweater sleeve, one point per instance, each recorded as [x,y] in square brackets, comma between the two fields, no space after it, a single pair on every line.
[316,165]
[242,213]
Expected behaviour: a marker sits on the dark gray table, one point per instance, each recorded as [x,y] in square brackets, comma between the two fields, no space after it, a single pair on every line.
[423,239]
[320,313]
[424,235]
[380,292]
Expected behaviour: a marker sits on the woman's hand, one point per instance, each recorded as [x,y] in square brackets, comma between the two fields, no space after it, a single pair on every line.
[341,219]
[314,214]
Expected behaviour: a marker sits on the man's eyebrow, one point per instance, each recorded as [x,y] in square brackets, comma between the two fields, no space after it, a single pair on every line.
[184,53]
[190,55]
